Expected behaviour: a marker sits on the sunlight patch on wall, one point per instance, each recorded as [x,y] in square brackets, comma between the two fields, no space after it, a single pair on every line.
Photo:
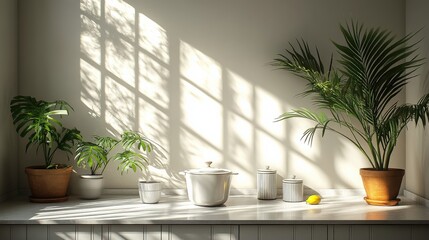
[241,149]
[120,60]
[300,165]
[153,123]
[270,152]
[90,47]
[153,80]
[196,151]
[201,70]
[91,7]
[202,114]
[119,107]
[242,93]
[90,39]
[297,142]
[348,160]
[153,38]
[268,108]
[121,17]
[90,94]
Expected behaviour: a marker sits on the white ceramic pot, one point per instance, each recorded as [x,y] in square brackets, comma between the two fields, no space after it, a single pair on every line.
[91,186]
[266,182]
[150,191]
[208,186]
[293,190]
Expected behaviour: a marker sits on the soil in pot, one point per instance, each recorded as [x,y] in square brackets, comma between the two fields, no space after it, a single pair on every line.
[48,185]
[382,187]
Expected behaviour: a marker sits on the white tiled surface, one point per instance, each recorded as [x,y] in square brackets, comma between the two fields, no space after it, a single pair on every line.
[121,209]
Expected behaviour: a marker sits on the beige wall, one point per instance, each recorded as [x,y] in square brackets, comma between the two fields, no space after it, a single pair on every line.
[8,88]
[194,75]
[417,164]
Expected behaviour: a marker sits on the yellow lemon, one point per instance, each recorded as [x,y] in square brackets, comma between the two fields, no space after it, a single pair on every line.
[313,200]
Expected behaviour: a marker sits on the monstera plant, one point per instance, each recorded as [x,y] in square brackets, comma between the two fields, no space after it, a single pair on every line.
[40,122]
[358,96]
[130,150]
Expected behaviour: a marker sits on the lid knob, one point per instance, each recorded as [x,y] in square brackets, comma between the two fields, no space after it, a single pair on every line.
[208,163]
[267,167]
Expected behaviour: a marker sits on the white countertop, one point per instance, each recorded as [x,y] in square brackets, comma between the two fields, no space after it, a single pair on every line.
[122,209]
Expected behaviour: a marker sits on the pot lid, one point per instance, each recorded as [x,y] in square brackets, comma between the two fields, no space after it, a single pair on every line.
[267,170]
[292,179]
[208,170]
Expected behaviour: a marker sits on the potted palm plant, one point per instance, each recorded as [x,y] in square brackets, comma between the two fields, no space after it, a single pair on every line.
[360,97]
[96,155]
[38,121]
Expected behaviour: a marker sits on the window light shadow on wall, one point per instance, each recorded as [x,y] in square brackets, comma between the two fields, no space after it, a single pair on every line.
[127,74]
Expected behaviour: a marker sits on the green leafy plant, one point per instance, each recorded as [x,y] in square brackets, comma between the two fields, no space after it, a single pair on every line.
[38,121]
[360,94]
[97,155]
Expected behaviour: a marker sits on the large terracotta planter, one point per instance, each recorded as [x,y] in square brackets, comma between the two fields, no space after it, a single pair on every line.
[382,187]
[48,185]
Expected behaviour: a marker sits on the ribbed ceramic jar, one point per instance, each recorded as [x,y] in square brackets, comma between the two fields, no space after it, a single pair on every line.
[266,183]
[293,190]
[150,191]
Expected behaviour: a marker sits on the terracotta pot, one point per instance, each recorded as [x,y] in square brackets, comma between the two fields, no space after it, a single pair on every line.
[382,187]
[48,185]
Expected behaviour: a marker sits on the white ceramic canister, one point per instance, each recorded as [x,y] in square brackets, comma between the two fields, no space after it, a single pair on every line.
[293,190]
[91,186]
[208,186]
[267,183]
[150,191]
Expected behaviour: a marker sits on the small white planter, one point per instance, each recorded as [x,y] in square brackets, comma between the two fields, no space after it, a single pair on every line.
[150,191]
[91,186]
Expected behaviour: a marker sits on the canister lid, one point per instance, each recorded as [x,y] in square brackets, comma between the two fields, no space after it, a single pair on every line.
[208,170]
[293,180]
[267,170]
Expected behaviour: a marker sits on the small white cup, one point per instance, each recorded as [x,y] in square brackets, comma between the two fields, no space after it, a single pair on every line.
[150,191]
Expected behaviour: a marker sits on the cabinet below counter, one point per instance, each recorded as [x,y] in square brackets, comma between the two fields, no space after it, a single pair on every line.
[242,217]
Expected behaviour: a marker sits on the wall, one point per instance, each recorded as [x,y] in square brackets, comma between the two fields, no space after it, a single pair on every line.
[195,76]
[8,88]
[417,139]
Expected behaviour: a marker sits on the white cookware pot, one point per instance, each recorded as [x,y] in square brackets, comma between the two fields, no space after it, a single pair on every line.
[208,186]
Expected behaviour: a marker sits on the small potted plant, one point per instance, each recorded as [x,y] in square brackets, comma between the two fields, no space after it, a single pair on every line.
[96,155]
[38,121]
[359,97]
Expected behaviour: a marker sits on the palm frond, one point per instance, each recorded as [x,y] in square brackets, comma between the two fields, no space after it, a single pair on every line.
[130,160]
[374,69]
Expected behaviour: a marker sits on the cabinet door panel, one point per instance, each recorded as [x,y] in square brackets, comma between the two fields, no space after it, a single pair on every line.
[84,232]
[360,232]
[391,232]
[18,232]
[319,232]
[249,232]
[129,232]
[189,232]
[37,232]
[61,232]
[5,231]
[152,232]
[276,232]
